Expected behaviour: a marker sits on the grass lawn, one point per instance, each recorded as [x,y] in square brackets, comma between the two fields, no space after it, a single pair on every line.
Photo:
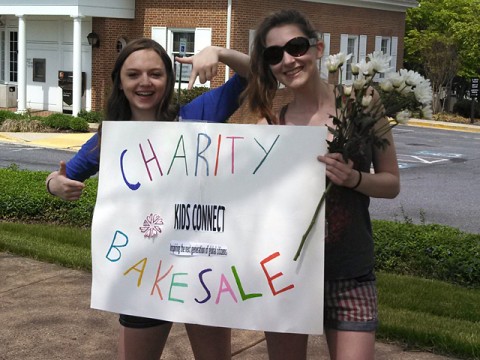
[420,314]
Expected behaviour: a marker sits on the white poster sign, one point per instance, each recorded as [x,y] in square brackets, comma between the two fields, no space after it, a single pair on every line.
[199,223]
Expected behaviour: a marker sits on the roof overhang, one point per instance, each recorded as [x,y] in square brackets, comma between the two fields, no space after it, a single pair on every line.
[390,5]
[124,9]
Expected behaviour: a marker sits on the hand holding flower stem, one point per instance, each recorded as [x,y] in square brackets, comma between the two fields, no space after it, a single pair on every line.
[361,105]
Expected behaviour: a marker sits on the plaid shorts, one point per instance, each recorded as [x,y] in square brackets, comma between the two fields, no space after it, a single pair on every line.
[351,304]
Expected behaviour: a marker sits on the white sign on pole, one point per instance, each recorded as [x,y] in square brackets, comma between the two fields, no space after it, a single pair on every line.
[199,223]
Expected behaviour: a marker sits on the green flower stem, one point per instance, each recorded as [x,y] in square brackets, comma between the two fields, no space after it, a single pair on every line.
[313,221]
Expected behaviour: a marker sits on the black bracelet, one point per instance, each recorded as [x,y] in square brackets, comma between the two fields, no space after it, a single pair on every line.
[48,186]
[359,180]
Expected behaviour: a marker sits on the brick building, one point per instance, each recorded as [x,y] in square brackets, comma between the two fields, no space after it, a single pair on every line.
[353,26]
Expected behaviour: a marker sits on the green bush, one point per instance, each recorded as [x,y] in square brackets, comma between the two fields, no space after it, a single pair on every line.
[78,124]
[58,121]
[9,115]
[429,251]
[24,198]
[463,108]
[187,95]
[65,122]
[91,116]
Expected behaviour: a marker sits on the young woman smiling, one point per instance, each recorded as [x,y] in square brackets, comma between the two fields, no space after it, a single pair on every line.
[143,87]
[285,50]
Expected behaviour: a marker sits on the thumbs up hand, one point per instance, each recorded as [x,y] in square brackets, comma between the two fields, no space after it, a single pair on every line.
[59,185]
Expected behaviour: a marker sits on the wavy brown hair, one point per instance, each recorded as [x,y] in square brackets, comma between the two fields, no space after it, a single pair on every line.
[262,84]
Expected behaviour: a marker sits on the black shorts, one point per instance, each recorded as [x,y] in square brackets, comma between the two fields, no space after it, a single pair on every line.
[138,322]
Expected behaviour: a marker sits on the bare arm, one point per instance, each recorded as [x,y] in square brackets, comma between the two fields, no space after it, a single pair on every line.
[59,185]
[383,183]
[205,63]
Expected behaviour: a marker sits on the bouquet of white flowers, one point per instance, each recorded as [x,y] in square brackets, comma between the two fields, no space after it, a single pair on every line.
[362,104]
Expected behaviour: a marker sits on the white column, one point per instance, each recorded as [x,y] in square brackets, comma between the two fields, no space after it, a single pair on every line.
[77,65]
[22,66]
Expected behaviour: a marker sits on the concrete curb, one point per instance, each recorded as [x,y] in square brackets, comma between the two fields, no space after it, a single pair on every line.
[444,125]
[73,141]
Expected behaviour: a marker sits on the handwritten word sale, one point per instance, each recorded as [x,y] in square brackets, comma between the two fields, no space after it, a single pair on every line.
[206,155]
[173,281]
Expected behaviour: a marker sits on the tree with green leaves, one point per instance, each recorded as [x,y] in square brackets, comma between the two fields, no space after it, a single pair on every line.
[442,41]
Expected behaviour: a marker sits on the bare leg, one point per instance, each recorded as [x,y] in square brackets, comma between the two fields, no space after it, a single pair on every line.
[284,346]
[143,344]
[210,342]
[350,345]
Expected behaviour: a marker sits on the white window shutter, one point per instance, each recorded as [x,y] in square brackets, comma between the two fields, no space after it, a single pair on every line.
[362,47]
[393,53]
[159,34]
[378,43]
[343,49]
[251,36]
[343,43]
[203,38]
[326,54]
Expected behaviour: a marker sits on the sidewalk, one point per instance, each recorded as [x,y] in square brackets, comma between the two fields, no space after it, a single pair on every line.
[45,314]
[45,309]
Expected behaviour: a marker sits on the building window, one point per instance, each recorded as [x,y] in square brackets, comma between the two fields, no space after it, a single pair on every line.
[39,70]
[194,40]
[2,56]
[8,56]
[352,48]
[13,57]
[385,47]
[183,44]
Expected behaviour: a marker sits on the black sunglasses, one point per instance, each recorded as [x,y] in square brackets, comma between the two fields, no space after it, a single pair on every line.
[296,47]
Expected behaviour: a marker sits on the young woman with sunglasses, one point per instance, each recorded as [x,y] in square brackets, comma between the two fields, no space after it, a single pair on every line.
[143,87]
[285,50]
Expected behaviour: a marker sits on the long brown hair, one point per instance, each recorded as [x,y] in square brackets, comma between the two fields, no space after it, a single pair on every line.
[118,107]
[262,84]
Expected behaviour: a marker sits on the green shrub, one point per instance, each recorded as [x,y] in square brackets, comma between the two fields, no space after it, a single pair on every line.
[78,124]
[24,198]
[91,116]
[429,251]
[8,115]
[187,95]
[58,121]
[65,122]
[463,107]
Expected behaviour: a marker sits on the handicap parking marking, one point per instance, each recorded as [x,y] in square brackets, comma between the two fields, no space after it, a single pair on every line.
[425,157]
[439,154]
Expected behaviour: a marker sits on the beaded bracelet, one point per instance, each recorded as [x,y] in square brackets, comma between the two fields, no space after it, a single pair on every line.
[359,180]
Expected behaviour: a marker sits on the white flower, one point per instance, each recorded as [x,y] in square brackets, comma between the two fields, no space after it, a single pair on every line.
[386,85]
[359,82]
[335,61]
[366,100]
[355,69]
[395,78]
[403,116]
[347,90]
[423,92]
[411,77]
[379,61]
[366,68]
